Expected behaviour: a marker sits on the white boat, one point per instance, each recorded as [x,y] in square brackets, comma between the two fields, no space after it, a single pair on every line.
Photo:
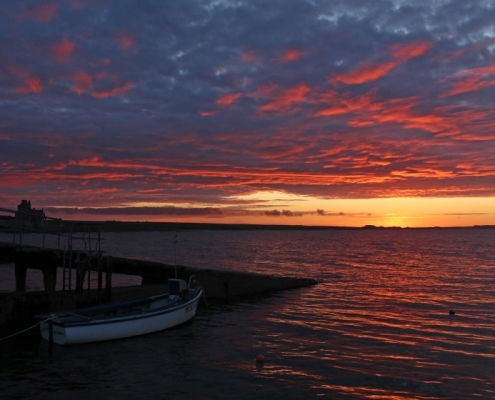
[125,319]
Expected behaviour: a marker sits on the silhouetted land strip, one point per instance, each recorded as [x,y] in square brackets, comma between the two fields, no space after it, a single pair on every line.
[9,224]
[118,226]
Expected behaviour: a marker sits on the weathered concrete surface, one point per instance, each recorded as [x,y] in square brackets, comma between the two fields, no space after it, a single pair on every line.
[219,286]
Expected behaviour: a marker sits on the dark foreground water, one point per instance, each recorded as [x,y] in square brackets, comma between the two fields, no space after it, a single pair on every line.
[377,326]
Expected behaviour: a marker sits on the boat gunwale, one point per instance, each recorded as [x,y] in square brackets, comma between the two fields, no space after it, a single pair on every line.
[86,320]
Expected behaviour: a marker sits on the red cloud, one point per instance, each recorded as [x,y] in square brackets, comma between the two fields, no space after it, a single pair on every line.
[248,56]
[365,110]
[82,82]
[401,112]
[291,55]
[345,104]
[265,90]
[369,72]
[227,99]
[471,80]
[286,98]
[61,51]
[404,52]
[30,85]
[91,162]
[117,91]
[126,40]
[41,13]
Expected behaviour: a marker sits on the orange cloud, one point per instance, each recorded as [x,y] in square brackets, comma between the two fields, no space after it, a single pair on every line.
[82,82]
[345,104]
[117,91]
[227,99]
[42,13]
[30,85]
[291,55]
[472,80]
[405,52]
[61,51]
[401,112]
[286,98]
[367,111]
[369,72]
[366,72]
[483,120]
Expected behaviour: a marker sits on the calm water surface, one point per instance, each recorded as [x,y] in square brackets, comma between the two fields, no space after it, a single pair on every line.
[377,326]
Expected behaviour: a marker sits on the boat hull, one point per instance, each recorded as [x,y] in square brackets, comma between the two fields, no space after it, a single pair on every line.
[161,315]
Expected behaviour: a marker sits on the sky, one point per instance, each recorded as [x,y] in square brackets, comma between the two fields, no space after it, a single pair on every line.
[298,112]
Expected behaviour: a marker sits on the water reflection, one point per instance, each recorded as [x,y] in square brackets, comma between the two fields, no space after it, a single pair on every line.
[377,326]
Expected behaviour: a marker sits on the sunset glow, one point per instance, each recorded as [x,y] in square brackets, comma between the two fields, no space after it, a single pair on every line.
[296,112]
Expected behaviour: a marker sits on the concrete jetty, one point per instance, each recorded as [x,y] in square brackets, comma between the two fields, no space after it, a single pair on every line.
[221,286]
[18,308]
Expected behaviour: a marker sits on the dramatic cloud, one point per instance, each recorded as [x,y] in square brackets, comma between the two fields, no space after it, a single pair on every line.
[29,85]
[369,71]
[162,108]
[82,82]
[472,80]
[291,55]
[61,51]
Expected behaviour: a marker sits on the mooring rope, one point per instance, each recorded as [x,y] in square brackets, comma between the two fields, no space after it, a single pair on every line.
[28,329]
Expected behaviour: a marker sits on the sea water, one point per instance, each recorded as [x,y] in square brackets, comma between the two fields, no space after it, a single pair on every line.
[397,314]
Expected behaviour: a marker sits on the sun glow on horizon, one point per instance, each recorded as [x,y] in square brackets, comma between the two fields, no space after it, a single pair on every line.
[280,208]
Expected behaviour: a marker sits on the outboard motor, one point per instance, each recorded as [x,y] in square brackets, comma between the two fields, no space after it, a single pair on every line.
[175,288]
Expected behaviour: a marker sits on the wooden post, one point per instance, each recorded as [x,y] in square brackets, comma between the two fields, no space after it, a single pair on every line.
[20,276]
[50,276]
[108,281]
[81,273]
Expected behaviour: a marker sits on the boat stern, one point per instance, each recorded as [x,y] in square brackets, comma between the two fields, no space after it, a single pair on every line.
[175,288]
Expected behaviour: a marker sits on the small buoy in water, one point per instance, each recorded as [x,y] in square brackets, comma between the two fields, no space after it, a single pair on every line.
[260,358]
[452,312]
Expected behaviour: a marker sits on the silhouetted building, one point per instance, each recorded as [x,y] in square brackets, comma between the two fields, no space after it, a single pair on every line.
[26,213]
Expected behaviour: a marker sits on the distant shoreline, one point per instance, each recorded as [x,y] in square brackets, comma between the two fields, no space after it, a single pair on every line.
[136,226]
[110,226]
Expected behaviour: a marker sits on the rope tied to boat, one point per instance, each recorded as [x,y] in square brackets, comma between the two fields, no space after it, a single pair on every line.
[52,317]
